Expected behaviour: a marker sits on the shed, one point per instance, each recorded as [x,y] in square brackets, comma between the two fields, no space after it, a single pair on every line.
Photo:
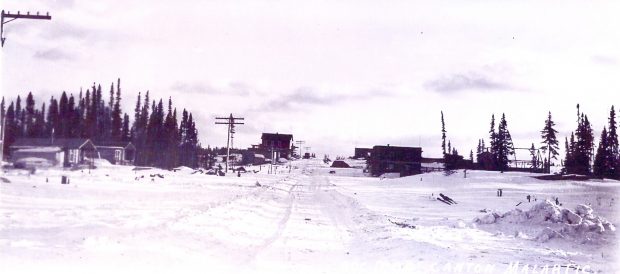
[341,164]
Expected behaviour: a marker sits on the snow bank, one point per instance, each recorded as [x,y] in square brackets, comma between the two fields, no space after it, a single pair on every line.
[580,224]
[102,162]
[183,169]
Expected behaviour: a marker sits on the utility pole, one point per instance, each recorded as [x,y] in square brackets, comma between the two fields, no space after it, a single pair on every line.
[12,16]
[231,122]
[2,135]
[299,143]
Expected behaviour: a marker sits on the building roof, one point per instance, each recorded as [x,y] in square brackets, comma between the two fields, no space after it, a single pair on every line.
[125,145]
[388,147]
[277,136]
[71,143]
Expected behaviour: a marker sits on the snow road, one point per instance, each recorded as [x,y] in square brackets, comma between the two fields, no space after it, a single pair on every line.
[308,220]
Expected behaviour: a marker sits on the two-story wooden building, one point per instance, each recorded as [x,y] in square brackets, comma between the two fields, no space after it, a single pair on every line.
[393,159]
[276,145]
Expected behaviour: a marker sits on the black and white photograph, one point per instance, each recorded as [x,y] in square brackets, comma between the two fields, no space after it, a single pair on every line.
[286,136]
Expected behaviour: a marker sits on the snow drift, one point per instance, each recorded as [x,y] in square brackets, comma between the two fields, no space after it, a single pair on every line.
[580,224]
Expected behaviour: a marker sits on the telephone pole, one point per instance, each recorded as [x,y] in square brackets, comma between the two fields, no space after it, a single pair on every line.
[231,121]
[12,16]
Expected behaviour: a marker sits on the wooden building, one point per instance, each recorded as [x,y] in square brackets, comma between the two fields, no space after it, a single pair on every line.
[276,145]
[52,151]
[405,161]
[362,153]
[118,153]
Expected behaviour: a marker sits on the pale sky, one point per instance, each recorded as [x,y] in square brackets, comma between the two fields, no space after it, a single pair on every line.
[337,74]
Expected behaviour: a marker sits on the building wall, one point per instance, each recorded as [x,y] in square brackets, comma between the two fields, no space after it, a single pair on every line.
[56,158]
[403,160]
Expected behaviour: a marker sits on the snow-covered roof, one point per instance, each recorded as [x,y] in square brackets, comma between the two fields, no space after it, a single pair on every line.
[72,143]
[41,149]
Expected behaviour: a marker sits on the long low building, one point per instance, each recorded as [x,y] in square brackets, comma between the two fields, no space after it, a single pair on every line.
[405,161]
[52,151]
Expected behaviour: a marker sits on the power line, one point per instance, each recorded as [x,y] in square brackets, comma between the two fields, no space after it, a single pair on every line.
[231,121]
[12,17]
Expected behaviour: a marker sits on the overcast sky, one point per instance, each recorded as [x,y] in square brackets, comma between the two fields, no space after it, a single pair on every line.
[337,74]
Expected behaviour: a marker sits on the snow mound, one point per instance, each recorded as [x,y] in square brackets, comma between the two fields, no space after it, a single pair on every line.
[183,169]
[102,162]
[581,224]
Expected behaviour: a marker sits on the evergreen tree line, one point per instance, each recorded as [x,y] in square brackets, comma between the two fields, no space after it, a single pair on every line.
[159,139]
[500,145]
[580,155]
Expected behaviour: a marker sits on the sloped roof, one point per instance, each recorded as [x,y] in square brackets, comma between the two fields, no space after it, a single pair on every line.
[277,136]
[72,143]
[126,145]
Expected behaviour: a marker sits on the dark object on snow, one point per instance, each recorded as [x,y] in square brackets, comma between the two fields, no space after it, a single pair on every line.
[5,180]
[557,202]
[405,161]
[257,184]
[64,180]
[519,203]
[446,202]
[332,172]
[403,225]
[500,192]
[340,164]
[221,173]
[307,219]
[447,198]
[529,198]
[557,177]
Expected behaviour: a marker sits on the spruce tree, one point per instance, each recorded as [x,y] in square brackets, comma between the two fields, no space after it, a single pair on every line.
[443,135]
[11,128]
[117,122]
[52,118]
[602,161]
[29,116]
[550,141]
[18,125]
[126,133]
[493,142]
[75,120]
[612,141]
[503,143]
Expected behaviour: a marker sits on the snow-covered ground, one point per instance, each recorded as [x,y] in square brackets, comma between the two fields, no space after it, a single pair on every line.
[307,220]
